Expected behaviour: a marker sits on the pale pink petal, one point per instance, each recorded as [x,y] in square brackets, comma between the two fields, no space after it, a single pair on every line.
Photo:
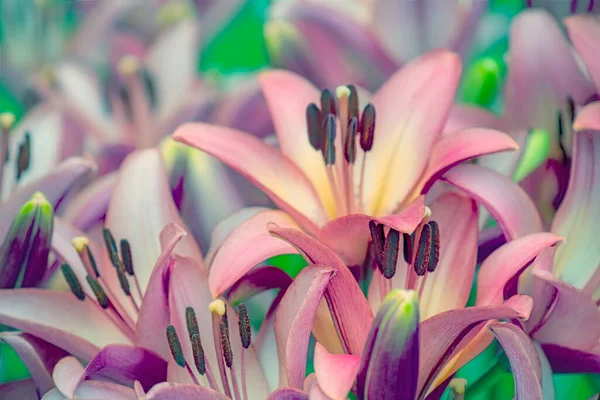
[467,117]
[514,211]
[263,165]
[141,207]
[335,373]
[189,288]
[90,205]
[588,117]
[454,148]
[576,219]
[441,336]
[154,310]
[79,327]
[524,361]
[584,31]
[287,96]
[38,356]
[294,320]
[246,246]
[448,287]
[104,390]
[169,391]
[346,302]
[66,375]
[412,107]
[23,389]
[349,236]
[507,262]
[288,394]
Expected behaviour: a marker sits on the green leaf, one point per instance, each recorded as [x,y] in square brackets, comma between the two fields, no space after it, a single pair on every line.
[535,153]
[292,264]
[11,366]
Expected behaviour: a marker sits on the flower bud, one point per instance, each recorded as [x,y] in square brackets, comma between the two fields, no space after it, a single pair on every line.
[25,249]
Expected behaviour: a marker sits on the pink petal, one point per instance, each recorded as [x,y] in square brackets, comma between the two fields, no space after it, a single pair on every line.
[287,96]
[506,262]
[154,310]
[574,321]
[534,94]
[576,219]
[79,327]
[454,148]
[288,394]
[448,287]
[441,335]
[524,361]
[140,208]
[412,107]
[21,389]
[346,302]
[349,236]
[506,201]
[66,375]
[248,245]
[258,280]
[344,366]
[263,165]
[467,117]
[294,320]
[189,288]
[90,205]
[40,357]
[588,117]
[70,174]
[169,391]
[584,31]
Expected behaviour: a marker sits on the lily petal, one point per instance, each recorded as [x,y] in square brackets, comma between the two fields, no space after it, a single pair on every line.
[448,287]
[524,361]
[55,186]
[345,367]
[66,375]
[464,117]
[79,327]
[96,390]
[412,107]
[168,391]
[90,205]
[21,389]
[287,394]
[349,235]
[577,260]
[442,335]
[588,117]
[154,310]
[346,302]
[293,322]
[263,165]
[514,211]
[257,281]
[40,357]
[584,31]
[246,246]
[454,148]
[132,216]
[507,262]
[567,360]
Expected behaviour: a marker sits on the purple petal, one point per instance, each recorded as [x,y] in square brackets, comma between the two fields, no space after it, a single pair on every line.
[257,281]
[23,389]
[566,360]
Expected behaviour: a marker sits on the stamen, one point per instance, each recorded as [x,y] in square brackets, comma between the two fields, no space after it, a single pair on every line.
[198,352]
[329,129]
[226,345]
[328,105]
[72,281]
[126,254]
[313,122]
[218,309]
[367,127]
[435,246]
[571,109]
[111,247]
[191,322]
[244,325]
[7,120]
[350,144]
[128,65]
[98,291]
[457,387]
[378,238]
[123,280]
[24,156]
[175,346]
[423,257]
[390,253]
[353,111]
[81,244]
[408,247]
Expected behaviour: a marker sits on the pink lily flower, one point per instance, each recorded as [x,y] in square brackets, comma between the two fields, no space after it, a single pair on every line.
[332,43]
[564,281]
[346,168]
[446,340]
[561,9]
[536,99]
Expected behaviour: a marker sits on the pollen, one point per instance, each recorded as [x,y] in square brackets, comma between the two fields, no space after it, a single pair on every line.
[7,120]
[342,91]
[217,307]
[129,65]
[80,243]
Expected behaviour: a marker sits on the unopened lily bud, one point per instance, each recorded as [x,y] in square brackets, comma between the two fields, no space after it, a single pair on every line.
[25,249]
